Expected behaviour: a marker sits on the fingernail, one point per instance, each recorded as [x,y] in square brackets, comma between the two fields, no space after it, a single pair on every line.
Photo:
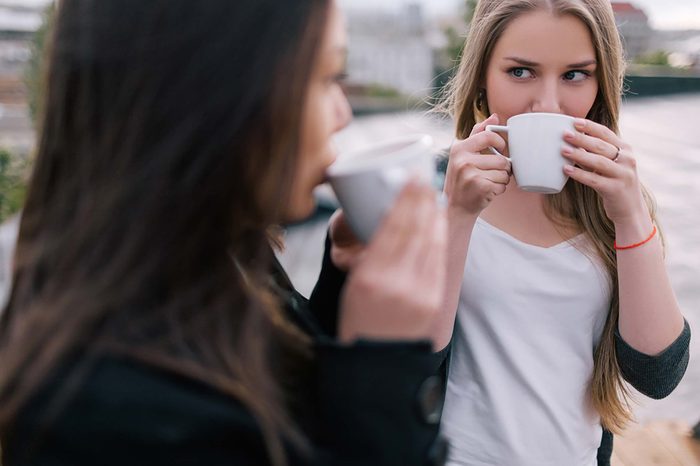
[568,169]
[569,134]
[580,123]
[567,150]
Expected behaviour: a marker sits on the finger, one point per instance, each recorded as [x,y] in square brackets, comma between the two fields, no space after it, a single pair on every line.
[591,144]
[486,162]
[591,162]
[599,131]
[482,161]
[497,176]
[346,258]
[480,142]
[499,189]
[594,180]
[479,127]
[487,140]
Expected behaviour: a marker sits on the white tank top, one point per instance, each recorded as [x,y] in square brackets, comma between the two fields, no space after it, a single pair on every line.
[528,321]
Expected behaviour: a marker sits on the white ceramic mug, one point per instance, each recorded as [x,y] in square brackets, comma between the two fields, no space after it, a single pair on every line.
[367,181]
[535,141]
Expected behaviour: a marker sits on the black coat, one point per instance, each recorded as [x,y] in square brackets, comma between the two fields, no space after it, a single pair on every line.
[373,404]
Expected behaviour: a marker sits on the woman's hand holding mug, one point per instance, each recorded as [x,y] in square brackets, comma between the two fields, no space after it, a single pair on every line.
[473,179]
[607,164]
[396,286]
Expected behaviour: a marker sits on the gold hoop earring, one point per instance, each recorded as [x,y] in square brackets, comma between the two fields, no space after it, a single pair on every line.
[480,100]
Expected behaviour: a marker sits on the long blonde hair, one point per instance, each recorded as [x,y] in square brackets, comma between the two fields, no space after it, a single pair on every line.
[577,205]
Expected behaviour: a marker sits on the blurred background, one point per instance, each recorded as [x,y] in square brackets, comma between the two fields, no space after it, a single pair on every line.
[401,54]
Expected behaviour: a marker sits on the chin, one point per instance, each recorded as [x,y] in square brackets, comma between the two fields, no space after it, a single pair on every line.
[301,211]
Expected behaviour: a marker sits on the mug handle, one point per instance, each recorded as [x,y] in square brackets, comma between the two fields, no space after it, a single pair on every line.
[496,129]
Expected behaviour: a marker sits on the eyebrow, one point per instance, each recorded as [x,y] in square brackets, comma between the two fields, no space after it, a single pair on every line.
[533,64]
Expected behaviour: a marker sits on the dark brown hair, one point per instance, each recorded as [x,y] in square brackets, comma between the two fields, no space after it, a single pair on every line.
[168,138]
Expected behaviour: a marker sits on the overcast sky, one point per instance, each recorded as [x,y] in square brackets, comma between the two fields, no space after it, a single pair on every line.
[24,2]
[664,14]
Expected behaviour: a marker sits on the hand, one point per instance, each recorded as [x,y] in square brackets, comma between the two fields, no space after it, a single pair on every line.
[346,248]
[396,289]
[606,164]
[474,179]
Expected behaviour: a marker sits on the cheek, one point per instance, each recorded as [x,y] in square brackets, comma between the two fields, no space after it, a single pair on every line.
[313,143]
[503,97]
[301,200]
[320,121]
[580,100]
[311,124]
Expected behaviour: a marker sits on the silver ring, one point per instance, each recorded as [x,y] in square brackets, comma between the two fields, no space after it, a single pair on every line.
[617,155]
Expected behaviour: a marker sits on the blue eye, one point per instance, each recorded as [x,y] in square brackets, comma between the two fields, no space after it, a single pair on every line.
[576,75]
[521,73]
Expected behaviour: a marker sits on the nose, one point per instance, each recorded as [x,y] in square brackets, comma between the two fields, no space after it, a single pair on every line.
[547,98]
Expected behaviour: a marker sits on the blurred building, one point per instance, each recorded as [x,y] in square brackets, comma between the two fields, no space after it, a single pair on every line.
[390,50]
[8,238]
[17,26]
[634,28]
[18,22]
[684,44]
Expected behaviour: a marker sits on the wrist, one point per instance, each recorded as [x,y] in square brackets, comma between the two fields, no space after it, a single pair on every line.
[633,230]
[458,217]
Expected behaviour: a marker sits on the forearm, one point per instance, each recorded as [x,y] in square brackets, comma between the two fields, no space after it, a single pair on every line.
[460,226]
[650,319]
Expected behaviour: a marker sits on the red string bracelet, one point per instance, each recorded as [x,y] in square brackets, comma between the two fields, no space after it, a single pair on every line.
[636,245]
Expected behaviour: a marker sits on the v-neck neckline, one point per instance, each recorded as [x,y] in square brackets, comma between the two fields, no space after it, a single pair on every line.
[561,245]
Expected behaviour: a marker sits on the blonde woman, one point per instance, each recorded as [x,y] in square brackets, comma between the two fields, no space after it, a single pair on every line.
[564,297]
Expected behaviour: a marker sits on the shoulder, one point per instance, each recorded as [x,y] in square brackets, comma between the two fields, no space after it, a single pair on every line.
[139,391]
[121,409]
